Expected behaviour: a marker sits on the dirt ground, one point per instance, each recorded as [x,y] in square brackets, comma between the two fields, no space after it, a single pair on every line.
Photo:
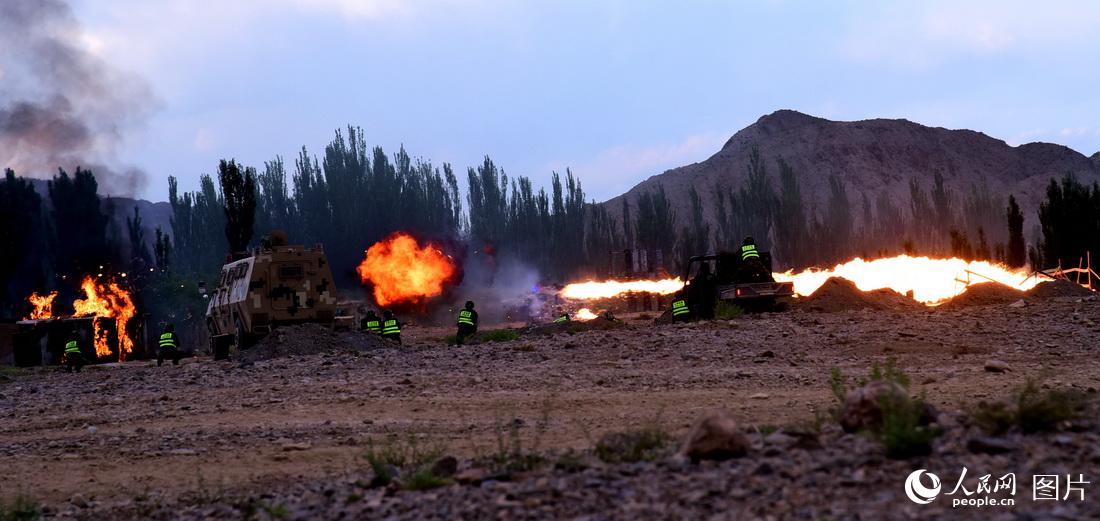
[115,432]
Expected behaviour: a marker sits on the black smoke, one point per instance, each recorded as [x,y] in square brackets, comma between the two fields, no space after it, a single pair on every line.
[60,105]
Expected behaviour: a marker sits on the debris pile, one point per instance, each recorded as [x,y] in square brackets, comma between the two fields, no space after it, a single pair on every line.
[984,294]
[1059,288]
[310,339]
[839,294]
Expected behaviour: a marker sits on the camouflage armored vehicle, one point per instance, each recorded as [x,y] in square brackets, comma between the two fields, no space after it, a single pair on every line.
[275,285]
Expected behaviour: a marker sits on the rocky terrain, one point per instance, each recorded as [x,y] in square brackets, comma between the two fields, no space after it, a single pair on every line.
[283,435]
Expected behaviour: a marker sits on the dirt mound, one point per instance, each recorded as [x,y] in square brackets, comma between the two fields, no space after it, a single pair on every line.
[576,326]
[1059,288]
[838,294]
[984,294]
[310,339]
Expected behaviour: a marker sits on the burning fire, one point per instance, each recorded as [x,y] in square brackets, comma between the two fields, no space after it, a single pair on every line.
[107,300]
[404,272]
[43,306]
[593,290]
[585,314]
[932,281]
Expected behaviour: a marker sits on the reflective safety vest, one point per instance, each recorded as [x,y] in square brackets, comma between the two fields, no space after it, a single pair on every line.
[374,326]
[466,317]
[166,340]
[748,251]
[562,318]
[679,307]
[72,347]
[390,327]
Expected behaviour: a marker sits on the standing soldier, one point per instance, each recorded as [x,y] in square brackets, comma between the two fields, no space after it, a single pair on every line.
[169,346]
[74,359]
[391,328]
[467,323]
[371,323]
[680,311]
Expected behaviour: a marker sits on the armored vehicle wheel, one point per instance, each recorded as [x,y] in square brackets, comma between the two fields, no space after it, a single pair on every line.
[241,336]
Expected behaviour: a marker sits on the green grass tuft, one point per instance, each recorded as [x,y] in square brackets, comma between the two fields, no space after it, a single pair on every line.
[1031,409]
[21,508]
[726,311]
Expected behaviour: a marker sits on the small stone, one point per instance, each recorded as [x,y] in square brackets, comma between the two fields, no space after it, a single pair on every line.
[759,396]
[445,467]
[715,436]
[79,501]
[182,452]
[767,354]
[863,406]
[92,430]
[989,445]
[290,447]
[996,366]
[472,476]
[1018,304]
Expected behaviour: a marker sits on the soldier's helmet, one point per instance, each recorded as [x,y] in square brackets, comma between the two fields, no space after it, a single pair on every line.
[469,304]
[749,240]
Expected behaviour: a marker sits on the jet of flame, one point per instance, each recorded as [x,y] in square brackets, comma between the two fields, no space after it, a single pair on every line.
[593,290]
[43,306]
[932,281]
[585,314]
[107,300]
[404,272]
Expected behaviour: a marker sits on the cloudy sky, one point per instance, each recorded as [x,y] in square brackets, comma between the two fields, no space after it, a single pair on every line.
[618,90]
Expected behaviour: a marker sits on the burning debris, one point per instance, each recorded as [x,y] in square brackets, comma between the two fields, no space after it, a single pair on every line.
[584,314]
[930,281]
[43,306]
[102,301]
[404,272]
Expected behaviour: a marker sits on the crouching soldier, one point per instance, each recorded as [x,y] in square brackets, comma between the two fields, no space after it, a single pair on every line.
[391,328]
[467,323]
[680,311]
[169,346]
[74,359]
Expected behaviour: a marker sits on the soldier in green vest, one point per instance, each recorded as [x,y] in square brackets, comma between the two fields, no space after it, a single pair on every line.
[680,311]
[371,323]
[168,346]
[74,359]
[752,268]
[562,317]
[391,328]
[467,323]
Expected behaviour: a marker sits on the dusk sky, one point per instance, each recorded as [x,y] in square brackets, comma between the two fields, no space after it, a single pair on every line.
[616,90]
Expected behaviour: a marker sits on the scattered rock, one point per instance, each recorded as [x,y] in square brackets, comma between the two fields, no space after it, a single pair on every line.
[759,396]
[291,447]
[990,445]
[1018,304]
[715,436]
[863,406]
[79,501]
[445,467]
[996,366]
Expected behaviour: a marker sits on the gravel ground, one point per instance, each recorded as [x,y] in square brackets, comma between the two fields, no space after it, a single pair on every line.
[284,437]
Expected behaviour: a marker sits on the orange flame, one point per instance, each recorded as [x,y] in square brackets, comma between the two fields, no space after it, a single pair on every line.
[932,281]
[43,306]
[585,314]
[593,290]
[103,301]
[403,272]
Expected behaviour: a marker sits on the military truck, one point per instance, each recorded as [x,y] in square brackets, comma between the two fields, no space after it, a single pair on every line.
[725,277]
[273,285]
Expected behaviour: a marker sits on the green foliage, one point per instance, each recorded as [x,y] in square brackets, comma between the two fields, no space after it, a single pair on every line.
[1070,221]
[1031,409]
[407,462]
[21,508]
[239,194]
[514,452]
[1016,252]
[655,224]
[499,335]
[642,443]
[279,511]
[727,311]
[903,430]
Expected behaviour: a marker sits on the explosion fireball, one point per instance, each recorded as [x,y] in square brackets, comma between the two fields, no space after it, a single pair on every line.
[43,306]
[932,281]
[585,314]
[403,272]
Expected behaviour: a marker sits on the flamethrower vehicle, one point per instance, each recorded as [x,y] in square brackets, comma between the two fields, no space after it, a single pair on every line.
[725,277]
[271,286]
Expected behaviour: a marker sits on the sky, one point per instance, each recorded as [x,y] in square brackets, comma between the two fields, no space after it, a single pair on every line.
[615,90]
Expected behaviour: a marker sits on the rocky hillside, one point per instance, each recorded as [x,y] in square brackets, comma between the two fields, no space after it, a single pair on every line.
[873,156]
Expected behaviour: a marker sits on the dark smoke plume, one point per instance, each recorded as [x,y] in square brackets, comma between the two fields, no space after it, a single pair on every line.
[61,106]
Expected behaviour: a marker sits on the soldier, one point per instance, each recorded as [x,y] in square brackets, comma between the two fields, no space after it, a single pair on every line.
[467,323]
[562,318]
[74,359]
[391,328]
[169,346]
[371,323]
[680,311]
[752,269]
